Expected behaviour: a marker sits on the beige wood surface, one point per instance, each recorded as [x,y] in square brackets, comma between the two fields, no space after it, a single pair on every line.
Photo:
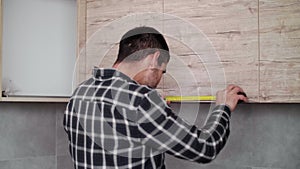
[98,15]
[279,51]
[222,22]
[232,28]
[81,41]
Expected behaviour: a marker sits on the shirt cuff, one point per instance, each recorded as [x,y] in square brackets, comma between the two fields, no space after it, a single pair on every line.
[223,107]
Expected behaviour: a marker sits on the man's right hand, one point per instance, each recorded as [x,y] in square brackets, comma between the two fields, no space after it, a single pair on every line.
[230,96]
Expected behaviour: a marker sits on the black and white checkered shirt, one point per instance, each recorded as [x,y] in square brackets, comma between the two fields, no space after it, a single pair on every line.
[113,122]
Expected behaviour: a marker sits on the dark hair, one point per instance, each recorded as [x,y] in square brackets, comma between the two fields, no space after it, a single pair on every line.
[140,42]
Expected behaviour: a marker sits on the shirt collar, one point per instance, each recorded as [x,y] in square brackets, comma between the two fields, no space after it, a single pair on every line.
[106,74]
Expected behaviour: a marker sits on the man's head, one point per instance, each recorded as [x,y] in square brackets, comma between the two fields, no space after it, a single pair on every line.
[145,52]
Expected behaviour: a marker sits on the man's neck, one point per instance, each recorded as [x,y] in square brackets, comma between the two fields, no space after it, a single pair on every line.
[129,69]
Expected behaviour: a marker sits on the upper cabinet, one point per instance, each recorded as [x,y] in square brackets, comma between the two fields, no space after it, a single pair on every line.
[254,44]
[38,49]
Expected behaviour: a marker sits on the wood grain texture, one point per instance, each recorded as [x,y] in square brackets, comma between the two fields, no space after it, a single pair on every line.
[81,42]
[280,81]
[99,15]
[222,22]
[102,12]
[257,43]
[280,50]
[232,28]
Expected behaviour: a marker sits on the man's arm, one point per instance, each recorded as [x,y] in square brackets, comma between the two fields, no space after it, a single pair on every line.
[166,132]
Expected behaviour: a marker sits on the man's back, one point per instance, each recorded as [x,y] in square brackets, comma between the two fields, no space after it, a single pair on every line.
[101,123]
[113,121]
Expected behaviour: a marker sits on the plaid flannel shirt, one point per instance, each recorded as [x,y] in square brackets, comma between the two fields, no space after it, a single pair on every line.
[113,122]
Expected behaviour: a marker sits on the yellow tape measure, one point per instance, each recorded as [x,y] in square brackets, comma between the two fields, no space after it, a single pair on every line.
[190,98]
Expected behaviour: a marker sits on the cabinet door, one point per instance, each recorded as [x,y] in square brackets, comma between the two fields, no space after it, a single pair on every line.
[232,29]
[38,47]
[279,50]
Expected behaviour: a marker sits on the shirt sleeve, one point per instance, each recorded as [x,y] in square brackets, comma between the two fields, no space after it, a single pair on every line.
[164,131]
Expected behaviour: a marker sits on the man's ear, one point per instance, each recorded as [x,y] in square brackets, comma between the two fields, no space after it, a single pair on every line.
[154,62]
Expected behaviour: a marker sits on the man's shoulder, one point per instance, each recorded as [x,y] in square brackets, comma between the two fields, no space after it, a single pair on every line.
[142,89]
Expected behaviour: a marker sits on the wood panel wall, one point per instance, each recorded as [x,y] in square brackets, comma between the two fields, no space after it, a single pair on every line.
[279,23]
[258,44]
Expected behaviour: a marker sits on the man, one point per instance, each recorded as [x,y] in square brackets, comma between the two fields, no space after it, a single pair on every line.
[116,119]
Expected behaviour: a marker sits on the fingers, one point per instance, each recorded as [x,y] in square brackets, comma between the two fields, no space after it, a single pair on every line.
[234,89]
[230,87]
[243,98]
[231,96]
[235,95]
[239,93]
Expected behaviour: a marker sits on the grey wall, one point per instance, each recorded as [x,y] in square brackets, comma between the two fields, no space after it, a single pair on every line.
[32,136]
[263,136]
